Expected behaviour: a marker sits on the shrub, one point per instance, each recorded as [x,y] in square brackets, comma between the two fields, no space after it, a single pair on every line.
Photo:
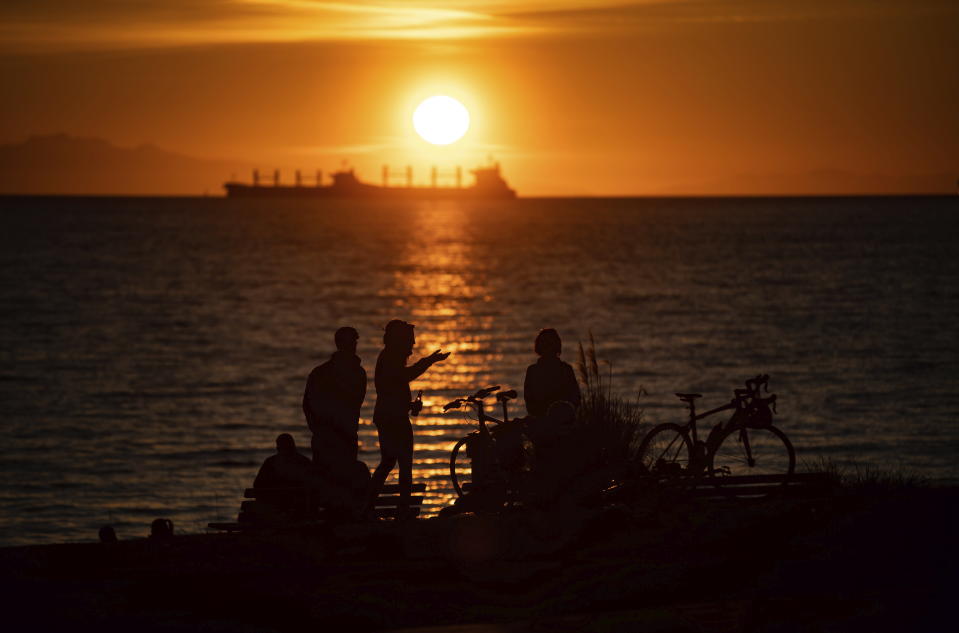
[616,423]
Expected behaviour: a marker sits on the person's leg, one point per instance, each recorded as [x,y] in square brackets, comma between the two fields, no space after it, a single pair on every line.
[326,460]
[359,479]
[328,494]
[387,462]
[405,459]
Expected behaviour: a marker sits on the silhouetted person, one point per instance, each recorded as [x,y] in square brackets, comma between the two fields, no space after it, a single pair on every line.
[391,413]
[161,529]
[287,469]
[108,534]
[552,396]
[549,379]
[332,401]
[558,452]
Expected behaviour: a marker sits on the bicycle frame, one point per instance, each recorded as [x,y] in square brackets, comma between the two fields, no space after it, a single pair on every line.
[693,418]
[734,446]
[738,404]
[476,401]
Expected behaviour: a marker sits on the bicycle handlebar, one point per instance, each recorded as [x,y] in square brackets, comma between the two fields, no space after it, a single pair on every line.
[483,393]
[478,396]
[453,404]
[752,391]
[761,380]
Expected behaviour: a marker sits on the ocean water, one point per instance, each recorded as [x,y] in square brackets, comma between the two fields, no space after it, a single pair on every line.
[152,349]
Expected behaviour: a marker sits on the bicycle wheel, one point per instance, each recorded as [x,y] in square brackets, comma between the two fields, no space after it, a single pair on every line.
[753,451]
[460,471]
[665,451]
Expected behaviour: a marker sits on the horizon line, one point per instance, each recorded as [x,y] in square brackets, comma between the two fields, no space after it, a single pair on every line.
[584,196]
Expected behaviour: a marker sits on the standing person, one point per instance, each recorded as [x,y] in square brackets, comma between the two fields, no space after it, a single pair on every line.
[391,413]
[552,397]
[549,379]
[332,401]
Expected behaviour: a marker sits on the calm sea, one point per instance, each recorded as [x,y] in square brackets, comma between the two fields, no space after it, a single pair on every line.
[152,349]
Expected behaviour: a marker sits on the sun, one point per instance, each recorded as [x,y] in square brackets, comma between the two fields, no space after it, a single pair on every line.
[441,120]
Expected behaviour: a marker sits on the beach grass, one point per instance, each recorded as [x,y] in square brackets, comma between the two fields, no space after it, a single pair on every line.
[616,423]
[867,478]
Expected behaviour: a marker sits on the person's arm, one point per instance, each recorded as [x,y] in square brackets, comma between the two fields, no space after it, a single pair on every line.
[418,368]
[266,477]
[306,411]
[313,400]
[361,395]
[343,428]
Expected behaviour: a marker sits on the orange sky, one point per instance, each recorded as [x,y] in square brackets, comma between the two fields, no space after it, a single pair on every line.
[608,98]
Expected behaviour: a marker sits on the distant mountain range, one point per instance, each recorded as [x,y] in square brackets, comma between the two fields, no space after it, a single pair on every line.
[63,164]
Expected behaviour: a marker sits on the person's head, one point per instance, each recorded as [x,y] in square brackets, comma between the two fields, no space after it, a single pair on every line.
[108,534]
[548,343]
[161,529]
[345,339]
[399,336]
[285,444]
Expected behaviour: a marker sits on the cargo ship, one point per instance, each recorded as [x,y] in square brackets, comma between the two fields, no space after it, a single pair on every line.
[488,183]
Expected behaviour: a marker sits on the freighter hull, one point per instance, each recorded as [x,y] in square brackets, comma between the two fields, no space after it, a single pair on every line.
[242,190]
[489,185]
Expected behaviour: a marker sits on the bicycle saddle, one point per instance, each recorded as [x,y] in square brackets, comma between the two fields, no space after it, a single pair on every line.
[688,397]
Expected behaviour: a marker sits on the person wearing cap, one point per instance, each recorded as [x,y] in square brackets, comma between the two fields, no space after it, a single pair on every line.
[391,412]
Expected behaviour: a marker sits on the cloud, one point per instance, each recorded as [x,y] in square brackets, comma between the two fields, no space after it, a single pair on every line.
[106,24]
[59,24]
[619,16]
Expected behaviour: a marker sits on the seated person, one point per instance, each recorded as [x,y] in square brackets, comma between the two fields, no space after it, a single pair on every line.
[288,484]
[549,379]
[287,469]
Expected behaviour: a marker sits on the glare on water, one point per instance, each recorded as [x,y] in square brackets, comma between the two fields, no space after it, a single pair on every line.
[152,349]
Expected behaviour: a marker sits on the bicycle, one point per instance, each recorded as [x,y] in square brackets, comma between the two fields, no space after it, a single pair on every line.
[746,444]
[482,445]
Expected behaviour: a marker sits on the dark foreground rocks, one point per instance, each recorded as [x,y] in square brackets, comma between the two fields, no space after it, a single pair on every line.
[853,561]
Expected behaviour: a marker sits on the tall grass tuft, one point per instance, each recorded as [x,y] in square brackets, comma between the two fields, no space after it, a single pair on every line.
[866,478]
[615,423]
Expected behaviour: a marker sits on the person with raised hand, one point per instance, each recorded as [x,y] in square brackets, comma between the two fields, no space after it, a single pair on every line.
[391,414]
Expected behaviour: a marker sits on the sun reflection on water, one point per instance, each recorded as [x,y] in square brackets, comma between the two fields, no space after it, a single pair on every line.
[444,290]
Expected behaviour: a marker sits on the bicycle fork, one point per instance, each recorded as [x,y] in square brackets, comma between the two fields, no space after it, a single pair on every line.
[744,438]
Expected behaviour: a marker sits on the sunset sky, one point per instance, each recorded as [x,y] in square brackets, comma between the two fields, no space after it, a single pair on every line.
[572,97]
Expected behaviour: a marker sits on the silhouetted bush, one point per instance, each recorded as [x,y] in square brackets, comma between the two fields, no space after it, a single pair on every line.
[615,423]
